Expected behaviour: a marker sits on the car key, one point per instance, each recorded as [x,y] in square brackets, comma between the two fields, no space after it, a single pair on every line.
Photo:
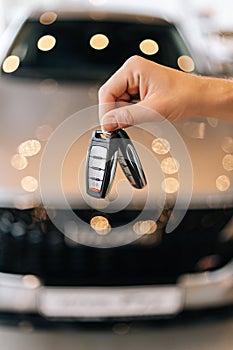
[101,164]
[129,160]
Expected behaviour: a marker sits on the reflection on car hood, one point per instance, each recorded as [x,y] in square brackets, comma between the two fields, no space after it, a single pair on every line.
[31,111]
[34,111]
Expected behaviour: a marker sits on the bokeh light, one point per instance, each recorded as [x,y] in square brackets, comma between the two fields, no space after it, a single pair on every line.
[170,185]
[29,184]
[46,43]
[99,41]
[29,148]
[227,162]
[31,281]
[100,224]
[169,165]
[48,18]
[227,144]
[11,64]
[19,162]
[186,63]
[160,146]
[145,227]
[149,47]
[223,183]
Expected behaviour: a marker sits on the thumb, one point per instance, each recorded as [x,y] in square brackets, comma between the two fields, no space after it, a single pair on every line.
[129,115]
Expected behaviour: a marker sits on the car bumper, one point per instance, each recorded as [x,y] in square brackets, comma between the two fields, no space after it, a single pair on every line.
[26,294]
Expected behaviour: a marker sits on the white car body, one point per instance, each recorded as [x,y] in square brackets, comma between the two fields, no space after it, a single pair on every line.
[28,107]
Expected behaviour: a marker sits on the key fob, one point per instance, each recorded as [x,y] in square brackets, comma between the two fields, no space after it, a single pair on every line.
[101,164]
[129,160]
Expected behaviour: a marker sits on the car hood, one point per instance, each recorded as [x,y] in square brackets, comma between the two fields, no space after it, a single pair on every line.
[54,121]
[32,110]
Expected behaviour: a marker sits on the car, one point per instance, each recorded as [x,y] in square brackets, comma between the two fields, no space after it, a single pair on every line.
[138,253]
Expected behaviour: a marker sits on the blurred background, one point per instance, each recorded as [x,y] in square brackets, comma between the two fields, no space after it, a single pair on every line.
[209,26]
[213,18]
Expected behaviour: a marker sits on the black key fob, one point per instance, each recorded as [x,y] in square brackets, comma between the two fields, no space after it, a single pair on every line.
[129,160]
[101,163]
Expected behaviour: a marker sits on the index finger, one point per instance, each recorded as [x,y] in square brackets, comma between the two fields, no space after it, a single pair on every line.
[111,91]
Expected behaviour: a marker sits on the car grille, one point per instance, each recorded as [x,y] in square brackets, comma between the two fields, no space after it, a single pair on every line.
[31,244]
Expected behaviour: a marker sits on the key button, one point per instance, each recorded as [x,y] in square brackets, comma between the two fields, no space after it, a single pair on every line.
[98,174]
[98,151]
[95,185]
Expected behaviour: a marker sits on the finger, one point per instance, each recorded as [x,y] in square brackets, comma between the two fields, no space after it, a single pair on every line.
[122,86]
[111,91]
[126,116]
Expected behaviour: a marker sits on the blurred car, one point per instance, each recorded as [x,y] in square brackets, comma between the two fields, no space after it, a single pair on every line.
[52,64]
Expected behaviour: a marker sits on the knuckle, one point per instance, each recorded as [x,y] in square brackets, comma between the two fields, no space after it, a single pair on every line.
[102,90]
[133,61]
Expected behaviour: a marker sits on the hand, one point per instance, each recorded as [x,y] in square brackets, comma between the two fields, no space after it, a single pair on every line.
[161,90]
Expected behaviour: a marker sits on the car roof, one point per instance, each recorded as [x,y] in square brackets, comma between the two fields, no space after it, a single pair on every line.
[69,15]
[130,10]
[78,14]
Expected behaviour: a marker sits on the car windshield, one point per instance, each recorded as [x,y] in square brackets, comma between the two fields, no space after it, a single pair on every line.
[91,49]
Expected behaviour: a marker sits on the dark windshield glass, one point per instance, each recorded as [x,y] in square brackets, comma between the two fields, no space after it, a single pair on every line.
[73,57]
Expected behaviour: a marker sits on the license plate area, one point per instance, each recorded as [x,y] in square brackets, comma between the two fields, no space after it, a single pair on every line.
[109,302]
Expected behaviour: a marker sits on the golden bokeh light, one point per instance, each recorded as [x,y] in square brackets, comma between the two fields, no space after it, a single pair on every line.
[29,184]
[227,144]
[48,18]
[149,47]
[146,227]
[11,64]
[186,63]
[29,148]
[169,165]
[31,281]
[46,43]
[227,162]
[19,162]
[100,224]
[170,185]
[160,146]
[223,183]
[99,41]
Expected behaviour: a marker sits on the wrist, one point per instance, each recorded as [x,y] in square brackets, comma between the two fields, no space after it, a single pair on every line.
[215,98]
